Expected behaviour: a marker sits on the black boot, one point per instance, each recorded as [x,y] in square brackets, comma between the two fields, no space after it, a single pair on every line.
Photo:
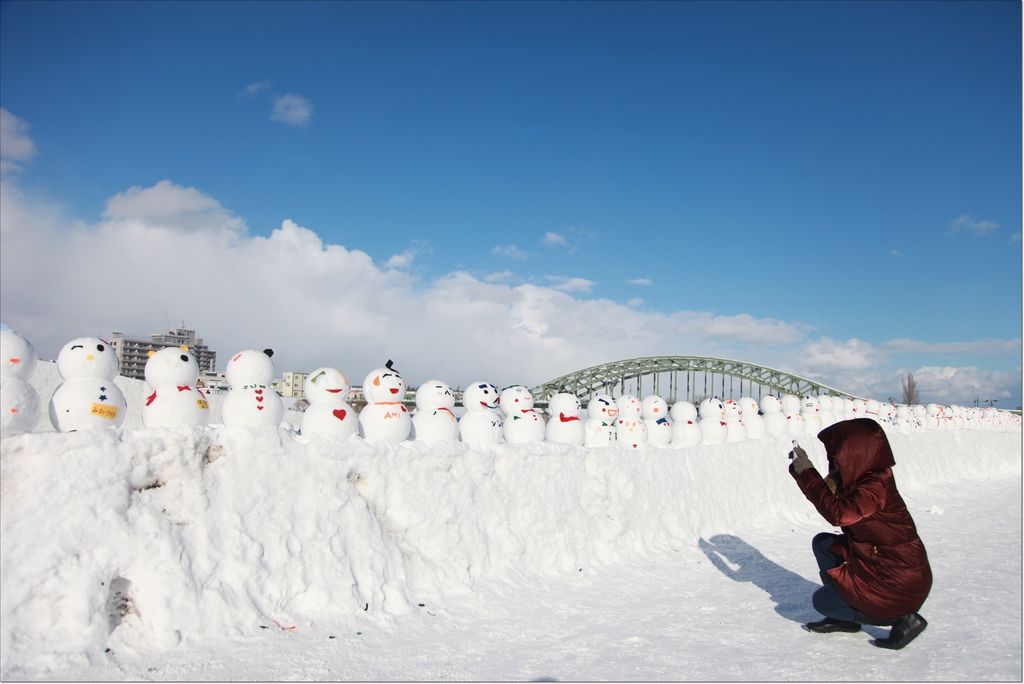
[832,625]
[903,632]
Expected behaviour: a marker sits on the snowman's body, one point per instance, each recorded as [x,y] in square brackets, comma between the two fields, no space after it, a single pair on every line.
[19,401]
[522,423]
[685,430]
[172,373]
[251,399]
[752,420]
[712,422]
[735,428]
[434,420]
[772,415]
[88,399]
[564,424]
[481,424]
[600,429]
[329,413]
[629,425]
[657,419]
[385,418]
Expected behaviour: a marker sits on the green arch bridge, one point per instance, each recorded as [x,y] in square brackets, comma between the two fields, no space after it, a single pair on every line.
[679,378]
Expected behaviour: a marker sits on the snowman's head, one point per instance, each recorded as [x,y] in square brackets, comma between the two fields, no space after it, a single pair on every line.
[171,366]
[712,408]
[683,411]
[770,404]
[748,406]
[732,409]
[326,383]
[87,357]
[250,367]
[872,407]
[383,385]
[654,407]
[629,407]
[809,404]
[565,404]
[859,406]
[17,355]
[433,395]
[933,410]
[481,396]
[790,404]
[515,399]
[602,407]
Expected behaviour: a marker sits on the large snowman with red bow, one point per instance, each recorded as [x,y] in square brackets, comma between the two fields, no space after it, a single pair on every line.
[251,398]
[172,373]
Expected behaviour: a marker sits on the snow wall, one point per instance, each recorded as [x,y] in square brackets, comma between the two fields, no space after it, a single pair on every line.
[157,537]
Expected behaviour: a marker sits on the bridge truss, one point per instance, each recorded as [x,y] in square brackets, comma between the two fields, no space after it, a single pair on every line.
[677,378]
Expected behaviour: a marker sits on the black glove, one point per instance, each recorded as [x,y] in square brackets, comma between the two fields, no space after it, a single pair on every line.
[800,460]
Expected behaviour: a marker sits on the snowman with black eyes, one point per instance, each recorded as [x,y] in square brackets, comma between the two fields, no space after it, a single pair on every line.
[385,418]
[522,422]
[172,373]
[88,399]
[435,419]
[482,422]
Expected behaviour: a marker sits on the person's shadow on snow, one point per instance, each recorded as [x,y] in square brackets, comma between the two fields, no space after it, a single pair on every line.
[790,591]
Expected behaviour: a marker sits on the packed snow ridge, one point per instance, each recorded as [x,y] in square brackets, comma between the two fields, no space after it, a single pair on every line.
[140,536]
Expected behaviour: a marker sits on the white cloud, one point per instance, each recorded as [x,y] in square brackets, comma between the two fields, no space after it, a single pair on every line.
[254,89]
[635,302]
[647,282]
[896,254]
[555,240]
[171,207]
[567,284]
[967,224]
[16,146]
[510,251]
[171,252]
[293,110]
[947,384]
[500,277]
[403,260]
[990,346]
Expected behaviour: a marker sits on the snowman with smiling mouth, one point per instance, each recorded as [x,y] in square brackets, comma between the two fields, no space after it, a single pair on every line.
[328,413]
[385,418]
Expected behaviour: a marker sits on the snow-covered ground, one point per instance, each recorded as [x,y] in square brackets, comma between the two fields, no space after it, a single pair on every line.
[247,554]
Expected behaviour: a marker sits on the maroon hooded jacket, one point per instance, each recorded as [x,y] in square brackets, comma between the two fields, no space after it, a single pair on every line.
[885,571]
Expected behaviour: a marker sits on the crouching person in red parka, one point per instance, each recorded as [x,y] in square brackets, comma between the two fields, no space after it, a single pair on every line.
[876,572]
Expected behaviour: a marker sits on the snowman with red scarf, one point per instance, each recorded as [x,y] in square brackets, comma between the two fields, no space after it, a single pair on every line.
[564,425]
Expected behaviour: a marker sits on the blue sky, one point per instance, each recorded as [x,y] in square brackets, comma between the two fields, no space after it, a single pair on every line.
[846,174]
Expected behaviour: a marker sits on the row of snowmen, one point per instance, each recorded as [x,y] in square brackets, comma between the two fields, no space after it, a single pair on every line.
[88,398]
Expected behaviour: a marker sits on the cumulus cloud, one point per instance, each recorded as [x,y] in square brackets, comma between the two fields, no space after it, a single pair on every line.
[168,206]
[968,224]
[646,282]
[169,252]
[16,147]
[293,110]
[510,251]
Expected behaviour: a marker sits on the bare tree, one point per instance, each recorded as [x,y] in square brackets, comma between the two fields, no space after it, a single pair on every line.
[910,395]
